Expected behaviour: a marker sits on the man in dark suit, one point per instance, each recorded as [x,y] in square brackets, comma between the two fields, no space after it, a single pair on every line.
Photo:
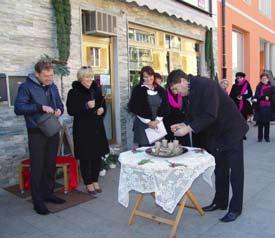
[213,114]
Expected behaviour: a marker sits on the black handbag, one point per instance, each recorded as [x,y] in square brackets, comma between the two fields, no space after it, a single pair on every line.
[48,124]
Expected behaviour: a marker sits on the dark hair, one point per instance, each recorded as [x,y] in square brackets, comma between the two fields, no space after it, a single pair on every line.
[240,74]
[157,76]
[42,65]
[175,77]
[264,75]
[146,69]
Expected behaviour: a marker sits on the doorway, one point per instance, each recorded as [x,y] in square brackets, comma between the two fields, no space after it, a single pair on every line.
[97,53]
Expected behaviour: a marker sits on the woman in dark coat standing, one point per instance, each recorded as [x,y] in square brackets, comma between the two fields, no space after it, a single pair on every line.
[177,114]
[86,104]
[240,93]
[263,95]
[149,104]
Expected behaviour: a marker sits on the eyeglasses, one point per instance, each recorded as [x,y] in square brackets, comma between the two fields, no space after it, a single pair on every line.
[86,67]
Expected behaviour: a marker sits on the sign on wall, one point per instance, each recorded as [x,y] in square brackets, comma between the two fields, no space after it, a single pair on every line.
[203,4]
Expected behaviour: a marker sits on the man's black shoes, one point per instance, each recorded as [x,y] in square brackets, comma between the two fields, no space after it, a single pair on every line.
[230,216]
[213,207]
[41,209]
[54,199]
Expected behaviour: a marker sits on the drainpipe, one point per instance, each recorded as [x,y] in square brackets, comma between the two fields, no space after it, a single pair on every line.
[224,68]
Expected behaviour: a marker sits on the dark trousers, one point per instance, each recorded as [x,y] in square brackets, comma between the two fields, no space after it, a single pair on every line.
[230,167]
[90,169]
[43,151]
[263,130]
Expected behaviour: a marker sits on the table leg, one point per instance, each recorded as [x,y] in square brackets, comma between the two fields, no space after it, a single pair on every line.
[138,203]
[195,202]
[173,232]
[174,223]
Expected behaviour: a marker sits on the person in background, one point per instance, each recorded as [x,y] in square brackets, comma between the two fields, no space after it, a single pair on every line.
[263,109]
[36,96]
[240,93]
[158,79]
[224,85]
[149,104]
[177,114]
[87,105]
[212,113]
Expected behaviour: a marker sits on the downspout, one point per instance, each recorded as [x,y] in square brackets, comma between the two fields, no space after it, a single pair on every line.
[224,68]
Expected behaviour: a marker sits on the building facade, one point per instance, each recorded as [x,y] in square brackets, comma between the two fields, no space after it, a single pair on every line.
[249,38]
[115,37]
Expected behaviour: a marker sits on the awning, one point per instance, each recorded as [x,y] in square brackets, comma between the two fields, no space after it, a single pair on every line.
[177,9]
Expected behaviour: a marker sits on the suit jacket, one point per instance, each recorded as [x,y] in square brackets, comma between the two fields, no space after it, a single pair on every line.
[213,114]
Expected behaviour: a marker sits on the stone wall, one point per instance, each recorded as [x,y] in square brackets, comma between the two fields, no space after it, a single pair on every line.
[13,144]
[27,30]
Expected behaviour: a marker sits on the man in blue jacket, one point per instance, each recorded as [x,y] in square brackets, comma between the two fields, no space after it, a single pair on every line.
[38,95]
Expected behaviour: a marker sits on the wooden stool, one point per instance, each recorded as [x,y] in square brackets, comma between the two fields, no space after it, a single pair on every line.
[64,166]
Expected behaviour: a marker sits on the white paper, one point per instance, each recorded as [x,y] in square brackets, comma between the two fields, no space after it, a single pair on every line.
[154,135]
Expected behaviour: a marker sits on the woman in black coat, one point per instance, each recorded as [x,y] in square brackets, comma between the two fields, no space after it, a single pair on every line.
[86,104]
[263,95]
[149,104]
[240,93]
[177,114]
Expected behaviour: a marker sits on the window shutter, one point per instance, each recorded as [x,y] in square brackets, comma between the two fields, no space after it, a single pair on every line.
[104,58]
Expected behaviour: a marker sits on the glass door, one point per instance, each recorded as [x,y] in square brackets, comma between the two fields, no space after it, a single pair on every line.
[97,54]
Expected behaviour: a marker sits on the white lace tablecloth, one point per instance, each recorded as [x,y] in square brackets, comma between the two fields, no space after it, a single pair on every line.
[168,183]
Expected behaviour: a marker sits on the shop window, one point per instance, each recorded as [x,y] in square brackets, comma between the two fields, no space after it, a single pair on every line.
[139,58]
[141,36]
[172,42]
[265,7]
[95,57]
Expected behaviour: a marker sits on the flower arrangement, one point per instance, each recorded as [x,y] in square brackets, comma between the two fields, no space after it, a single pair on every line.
[110,160]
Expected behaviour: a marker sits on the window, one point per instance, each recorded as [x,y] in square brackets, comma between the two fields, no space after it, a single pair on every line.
[237,52]
[172,42]
[95,57]
[13,85]
[141,36]
[3,88]
[139,58]
[265,7]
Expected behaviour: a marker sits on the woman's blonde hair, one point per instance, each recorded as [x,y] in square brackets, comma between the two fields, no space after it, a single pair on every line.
[85,71]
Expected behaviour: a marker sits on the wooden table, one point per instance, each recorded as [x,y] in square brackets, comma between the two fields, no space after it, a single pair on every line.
[200,163]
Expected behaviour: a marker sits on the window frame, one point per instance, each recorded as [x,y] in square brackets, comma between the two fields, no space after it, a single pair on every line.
[94,57]
[265,8]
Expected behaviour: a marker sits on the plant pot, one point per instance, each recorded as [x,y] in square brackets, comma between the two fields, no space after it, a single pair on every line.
[102,173]
[112,166]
